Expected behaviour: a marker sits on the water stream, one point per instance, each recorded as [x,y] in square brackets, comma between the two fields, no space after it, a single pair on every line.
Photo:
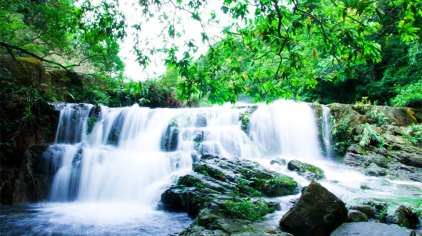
[112,164]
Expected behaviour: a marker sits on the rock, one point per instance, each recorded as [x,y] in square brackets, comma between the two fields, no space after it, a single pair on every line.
[369,211]
[317,212]
[228,196]
[356,216]
[218,182]
[30,182]
[279,161]
[406,217]
[370,228]
[386,136]
[306,170]
[374,170]
[208,223]
[170,137]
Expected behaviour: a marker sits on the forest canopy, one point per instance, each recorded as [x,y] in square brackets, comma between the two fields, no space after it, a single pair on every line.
[313,50]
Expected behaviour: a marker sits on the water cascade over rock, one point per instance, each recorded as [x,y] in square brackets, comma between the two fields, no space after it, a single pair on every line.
[114,169]
[131,153]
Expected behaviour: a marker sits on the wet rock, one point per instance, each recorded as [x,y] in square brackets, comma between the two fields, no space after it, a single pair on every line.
[228,196]
[170,137]
[405,216]
[356,216]
[208,223]
[369,211]
[28,183]
[279,161]
[374,170]
[385,136]
[317,212]
[370,228]
[218,182]
[306,170]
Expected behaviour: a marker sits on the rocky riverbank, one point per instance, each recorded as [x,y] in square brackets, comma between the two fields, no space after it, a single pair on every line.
[379,140]
[231,197]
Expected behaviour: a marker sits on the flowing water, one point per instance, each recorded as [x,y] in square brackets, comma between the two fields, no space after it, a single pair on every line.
[112,164]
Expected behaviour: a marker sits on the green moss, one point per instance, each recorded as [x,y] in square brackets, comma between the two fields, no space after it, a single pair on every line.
[247,209]
[242,187]
[190,181]
[276,186]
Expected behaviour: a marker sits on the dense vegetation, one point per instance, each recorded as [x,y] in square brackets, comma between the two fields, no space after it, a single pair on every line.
[314,50]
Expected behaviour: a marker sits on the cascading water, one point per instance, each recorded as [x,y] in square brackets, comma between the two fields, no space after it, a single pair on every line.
[112,164]
[326,132]
[286,128]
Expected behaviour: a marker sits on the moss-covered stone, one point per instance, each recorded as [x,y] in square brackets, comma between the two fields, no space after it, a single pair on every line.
[306,170]
[230,189]
[276,186]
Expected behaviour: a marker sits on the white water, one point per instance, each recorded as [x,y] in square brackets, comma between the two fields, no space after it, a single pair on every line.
[326,132]
[114,173]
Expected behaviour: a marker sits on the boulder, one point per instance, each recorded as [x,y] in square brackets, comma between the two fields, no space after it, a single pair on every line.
[369,211]
[317,212]
[370,228]
[228,197]
[306,170]
[356,216]
[218,181]
[405,216]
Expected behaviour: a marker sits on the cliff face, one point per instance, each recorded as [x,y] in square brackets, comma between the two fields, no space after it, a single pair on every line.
[28,124]
[384,141]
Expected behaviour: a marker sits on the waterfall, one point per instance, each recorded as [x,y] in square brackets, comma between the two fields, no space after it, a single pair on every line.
[286,128]
[326,132]
[131,154]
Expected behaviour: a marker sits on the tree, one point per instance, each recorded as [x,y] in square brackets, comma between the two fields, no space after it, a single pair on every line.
[59,32]
[280,48]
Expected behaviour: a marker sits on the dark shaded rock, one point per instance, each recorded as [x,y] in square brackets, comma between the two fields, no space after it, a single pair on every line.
[170,138]
[317,212]
[406,217]
[370,228]
[30,182]
[356,216]
[306,170]
[369,211]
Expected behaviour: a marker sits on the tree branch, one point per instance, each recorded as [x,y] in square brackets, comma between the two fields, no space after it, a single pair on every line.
[10,49]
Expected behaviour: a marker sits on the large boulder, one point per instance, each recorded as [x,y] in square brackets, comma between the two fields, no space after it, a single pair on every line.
[227,196]
[317,212]
[306,170]
[370,228]
[216,180]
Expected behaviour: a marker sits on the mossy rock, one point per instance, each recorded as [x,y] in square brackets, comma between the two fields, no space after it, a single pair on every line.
[276,186]
[223,185]
[306,170]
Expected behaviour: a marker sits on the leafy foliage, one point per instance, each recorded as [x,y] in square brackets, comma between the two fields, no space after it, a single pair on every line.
[62,32]
[284,49]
